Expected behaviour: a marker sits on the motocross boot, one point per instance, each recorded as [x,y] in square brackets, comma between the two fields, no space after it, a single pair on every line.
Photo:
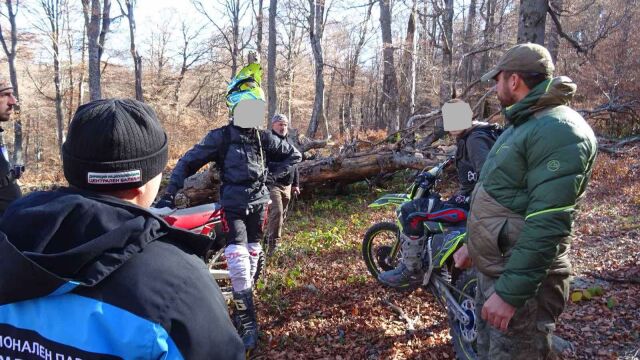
[408,274]
[245,314]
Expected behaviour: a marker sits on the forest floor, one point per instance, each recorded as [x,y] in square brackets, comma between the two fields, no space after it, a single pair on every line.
[318,301]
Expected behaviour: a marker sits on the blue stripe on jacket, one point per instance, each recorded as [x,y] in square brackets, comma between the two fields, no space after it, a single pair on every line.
[92,326]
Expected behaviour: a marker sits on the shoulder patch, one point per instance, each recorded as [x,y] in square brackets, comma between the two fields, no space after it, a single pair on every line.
[553,165]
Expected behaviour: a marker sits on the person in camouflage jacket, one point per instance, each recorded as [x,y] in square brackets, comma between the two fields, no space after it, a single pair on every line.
[522,209]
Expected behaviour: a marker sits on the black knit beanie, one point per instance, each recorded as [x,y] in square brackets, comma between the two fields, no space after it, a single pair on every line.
[114,144]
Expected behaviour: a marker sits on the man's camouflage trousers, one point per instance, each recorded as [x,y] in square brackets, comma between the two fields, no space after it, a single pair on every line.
[529,333]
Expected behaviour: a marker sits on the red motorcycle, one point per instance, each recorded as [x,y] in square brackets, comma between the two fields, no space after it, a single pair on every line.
[208,220]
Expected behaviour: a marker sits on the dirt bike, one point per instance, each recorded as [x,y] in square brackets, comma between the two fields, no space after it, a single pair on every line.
[208,220]
[445,229]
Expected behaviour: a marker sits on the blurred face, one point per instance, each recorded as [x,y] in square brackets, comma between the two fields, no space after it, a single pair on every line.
[281,127]
[249,114]
[505,88]
[7,101]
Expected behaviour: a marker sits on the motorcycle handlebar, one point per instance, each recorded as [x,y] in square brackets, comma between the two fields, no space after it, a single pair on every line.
[428,177]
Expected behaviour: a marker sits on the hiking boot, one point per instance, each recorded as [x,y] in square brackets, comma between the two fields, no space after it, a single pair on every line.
[409,273]
[245,314]
[401,277]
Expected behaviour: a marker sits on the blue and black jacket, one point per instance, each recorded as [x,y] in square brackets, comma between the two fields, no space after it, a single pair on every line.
[88,276]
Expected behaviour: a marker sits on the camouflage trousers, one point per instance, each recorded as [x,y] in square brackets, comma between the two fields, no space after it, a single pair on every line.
[529,333]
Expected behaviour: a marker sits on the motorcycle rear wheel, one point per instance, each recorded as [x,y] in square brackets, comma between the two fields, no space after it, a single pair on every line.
[464,337]
[377,245]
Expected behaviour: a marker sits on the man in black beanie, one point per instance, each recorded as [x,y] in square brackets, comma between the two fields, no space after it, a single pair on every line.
[88,272]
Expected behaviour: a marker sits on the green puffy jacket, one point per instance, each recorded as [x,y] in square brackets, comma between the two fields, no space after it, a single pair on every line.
[523,206]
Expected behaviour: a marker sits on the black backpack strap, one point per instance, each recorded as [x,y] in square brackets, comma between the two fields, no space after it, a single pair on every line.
[222,153]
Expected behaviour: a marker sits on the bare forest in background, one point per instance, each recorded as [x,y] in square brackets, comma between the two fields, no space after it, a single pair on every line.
[349,70]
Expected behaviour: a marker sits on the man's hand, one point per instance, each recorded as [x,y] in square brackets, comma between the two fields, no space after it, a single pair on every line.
[461,258]
[295,190]
[497,312]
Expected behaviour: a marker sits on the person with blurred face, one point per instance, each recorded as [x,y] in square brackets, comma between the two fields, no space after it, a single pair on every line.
[283,180]
[9,189]
[241,152]
[474,139]
[88,272]
[523,206]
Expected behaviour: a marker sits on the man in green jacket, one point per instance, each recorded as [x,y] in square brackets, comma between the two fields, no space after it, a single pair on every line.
[523,206]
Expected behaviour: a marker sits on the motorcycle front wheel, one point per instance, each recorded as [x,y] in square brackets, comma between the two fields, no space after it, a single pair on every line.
[381,247]
[464,337]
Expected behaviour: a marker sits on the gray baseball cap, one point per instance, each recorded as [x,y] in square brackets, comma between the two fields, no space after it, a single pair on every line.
[527,57]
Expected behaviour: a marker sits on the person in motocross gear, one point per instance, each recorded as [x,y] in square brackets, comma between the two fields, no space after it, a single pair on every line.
[283,180]
[241,152]
[522,209]
[9,189]
[89,272]
[474,140]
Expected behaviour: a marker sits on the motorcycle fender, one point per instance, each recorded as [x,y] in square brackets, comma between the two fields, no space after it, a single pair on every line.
[390,199]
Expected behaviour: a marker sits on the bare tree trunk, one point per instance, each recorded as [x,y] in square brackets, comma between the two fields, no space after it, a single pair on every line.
[329,103]
[353,68]
[13,75]
[272,94]
[531,23]
[316,28]
[97,29]
[259,19]
[53,12]
[389,100]
[488,33]
[553,37]
[137,59]
[467,67]
[70,96]
[83,57]
[235,35]
[408,77]
[93,32]
[446,86]
[291,76]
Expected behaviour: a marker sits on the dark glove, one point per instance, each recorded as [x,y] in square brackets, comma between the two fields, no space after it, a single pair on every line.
[424,179]
[17,171]
[458,201]
[167,200]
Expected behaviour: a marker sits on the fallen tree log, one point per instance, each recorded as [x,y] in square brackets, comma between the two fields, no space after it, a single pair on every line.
[347,166]
[205,186]
[360,166]
[200,188]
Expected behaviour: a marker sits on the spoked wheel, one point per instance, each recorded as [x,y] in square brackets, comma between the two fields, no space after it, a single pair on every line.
[465,336]
[381,247]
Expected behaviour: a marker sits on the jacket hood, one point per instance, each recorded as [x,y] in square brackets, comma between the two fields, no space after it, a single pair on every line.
[549,93]
[49,239]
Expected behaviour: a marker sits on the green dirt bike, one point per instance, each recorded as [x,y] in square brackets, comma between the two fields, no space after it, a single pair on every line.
[445,228]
